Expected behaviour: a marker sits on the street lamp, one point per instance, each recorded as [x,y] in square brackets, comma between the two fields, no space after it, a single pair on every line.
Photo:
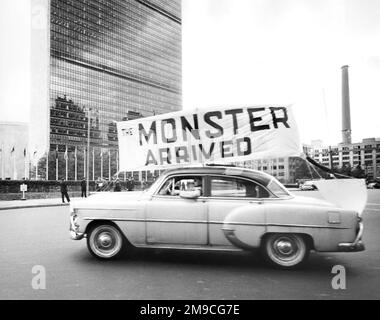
[90,112]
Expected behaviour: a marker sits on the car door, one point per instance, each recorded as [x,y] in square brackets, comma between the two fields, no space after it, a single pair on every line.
[235,211]
[171,219]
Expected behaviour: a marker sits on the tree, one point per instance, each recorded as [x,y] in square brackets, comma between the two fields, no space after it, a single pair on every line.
[358,172]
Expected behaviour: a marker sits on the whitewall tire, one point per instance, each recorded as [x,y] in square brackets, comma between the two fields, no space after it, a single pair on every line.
[285,250]
[105,241]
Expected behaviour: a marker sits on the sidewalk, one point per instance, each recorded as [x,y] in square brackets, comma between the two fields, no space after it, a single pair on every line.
[32,203]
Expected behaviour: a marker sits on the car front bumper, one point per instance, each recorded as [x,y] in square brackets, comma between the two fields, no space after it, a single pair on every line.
[355,246]
[74,231]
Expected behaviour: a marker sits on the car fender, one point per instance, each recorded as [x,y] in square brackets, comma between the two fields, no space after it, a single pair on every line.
[326,226]
[245,226]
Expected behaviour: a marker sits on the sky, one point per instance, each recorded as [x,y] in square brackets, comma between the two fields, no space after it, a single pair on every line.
[250,52]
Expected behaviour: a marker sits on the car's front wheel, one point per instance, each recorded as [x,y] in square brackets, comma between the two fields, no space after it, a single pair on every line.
[285,250]
[105,241]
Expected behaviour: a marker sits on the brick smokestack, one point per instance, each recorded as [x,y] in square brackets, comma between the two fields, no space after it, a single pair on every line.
[346,113]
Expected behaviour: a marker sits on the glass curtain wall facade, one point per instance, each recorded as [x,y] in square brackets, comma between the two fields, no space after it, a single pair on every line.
[120,58]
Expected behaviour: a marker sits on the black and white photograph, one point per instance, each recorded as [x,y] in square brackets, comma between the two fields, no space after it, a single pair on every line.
[189,151]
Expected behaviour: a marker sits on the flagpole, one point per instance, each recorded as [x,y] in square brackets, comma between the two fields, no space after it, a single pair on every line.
[28,166]
[117,163]
[2,161]
[76,164]
[14,162]
[66,164]
[14,168]
[93,164]
[47,165]
[25,163]
[101,163]
[56,164]
[84,162]
[34,157]
[109,165]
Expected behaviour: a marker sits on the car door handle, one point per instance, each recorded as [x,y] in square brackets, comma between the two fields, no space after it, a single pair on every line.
[256,202]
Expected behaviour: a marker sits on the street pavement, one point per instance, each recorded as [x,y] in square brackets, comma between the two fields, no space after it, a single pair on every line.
[39,237]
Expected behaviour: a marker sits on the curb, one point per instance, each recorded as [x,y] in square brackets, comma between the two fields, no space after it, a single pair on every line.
[35,206]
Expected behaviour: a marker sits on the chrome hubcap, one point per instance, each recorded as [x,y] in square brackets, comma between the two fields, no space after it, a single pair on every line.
[104,240]
[285,247]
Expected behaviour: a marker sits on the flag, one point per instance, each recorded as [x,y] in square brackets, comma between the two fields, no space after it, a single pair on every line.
[75,153]
[56,154]
[13,150]
[24,152]
[65,155]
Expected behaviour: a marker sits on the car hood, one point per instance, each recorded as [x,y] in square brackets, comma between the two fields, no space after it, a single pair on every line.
[107,200]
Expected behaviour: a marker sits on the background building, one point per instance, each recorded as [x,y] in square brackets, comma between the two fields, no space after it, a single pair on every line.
[365,154]
[121,59]
[14,157]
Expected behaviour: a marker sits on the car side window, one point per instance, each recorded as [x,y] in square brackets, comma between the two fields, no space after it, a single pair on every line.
[237,188]
[173,186]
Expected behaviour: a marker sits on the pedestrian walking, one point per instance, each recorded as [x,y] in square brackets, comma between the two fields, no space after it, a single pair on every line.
[64,191]
[83,186]
[129,184]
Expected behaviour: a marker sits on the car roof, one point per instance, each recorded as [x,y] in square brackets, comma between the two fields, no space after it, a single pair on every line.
[230,171]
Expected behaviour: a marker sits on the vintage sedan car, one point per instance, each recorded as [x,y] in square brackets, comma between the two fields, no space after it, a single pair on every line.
[308,186]
[373,185]
[216,208]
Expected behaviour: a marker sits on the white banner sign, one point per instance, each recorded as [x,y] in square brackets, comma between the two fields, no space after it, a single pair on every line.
[208,136]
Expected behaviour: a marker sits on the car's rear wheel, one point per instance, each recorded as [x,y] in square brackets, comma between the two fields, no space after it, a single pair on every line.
[285,250]
[105,241]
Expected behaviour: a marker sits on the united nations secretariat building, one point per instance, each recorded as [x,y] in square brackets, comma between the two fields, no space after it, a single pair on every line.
[96,62]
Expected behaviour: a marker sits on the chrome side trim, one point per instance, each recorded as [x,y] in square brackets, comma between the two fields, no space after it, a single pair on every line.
[189,247]
[218,223]
[231,237]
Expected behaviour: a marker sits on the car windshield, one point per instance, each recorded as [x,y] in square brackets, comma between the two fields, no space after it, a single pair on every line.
[277,189]
[155,184]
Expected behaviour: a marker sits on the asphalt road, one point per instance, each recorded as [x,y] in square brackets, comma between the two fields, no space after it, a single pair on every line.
[39,236]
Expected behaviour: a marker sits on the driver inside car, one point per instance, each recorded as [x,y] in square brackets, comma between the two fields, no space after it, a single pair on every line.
[194,186]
